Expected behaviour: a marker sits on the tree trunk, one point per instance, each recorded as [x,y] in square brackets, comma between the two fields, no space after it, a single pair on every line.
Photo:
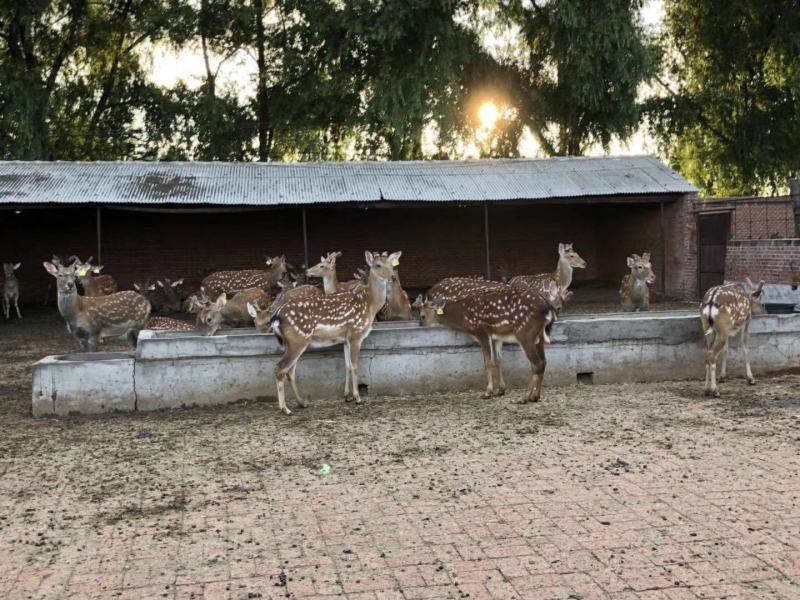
[262,94]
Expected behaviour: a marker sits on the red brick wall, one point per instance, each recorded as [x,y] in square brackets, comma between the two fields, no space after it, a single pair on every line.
[774,261]
[437,240]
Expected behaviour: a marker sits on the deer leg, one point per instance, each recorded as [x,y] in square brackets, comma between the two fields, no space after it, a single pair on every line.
[488,364]
[348,396]
[498,355]
[711,361]
[723,363]
[533,346]
[16,305]
[290,375]
[540,365]
[746,349]
[6,305]
[133,337]
[355,353]
[286,364]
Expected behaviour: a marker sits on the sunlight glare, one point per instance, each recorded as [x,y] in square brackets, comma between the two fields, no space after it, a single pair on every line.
[488,114]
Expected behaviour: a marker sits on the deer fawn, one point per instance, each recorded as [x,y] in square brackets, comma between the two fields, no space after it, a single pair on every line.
[233,312]
[230,282]
[93,283]
[167,324]
[344,317]
[502,314]
[91,319]
[726,311]
[568,261]
[634,293]
[11,288]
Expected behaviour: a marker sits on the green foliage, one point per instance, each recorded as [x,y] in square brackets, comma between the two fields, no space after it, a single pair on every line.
[578,68]
[730,121]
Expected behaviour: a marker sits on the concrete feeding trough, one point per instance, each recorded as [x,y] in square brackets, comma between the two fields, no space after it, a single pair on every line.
[181,369]
[781,299]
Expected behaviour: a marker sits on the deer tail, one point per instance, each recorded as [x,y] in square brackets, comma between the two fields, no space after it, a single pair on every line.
[275,323]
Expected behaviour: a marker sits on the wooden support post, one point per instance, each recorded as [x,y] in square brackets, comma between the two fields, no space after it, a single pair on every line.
[99,236]
[305,239]
[486,239]
[794,191]
[663,253]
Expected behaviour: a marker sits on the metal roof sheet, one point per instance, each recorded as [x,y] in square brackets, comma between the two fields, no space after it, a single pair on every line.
[274,184]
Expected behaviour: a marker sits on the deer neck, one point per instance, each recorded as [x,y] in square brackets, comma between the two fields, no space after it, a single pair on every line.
[69,305]
[330,283]
[564,273]
[376,293]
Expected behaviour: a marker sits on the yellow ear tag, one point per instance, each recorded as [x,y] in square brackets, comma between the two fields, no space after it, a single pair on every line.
[269,263]
[81,272]
[395,263]
[439,311]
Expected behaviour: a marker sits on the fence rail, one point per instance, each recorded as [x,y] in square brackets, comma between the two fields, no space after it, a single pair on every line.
[754,218]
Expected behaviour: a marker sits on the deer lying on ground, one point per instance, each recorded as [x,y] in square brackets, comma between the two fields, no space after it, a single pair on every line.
[93,283]
[230,282]
[11,288]
[494,316]
[324,320]
[232,313]
[167,324]
[726,311]
[164,296]
[568,260]
[634,293]
[91,319]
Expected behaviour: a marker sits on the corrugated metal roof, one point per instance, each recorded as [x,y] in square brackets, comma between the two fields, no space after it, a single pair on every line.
[260,184]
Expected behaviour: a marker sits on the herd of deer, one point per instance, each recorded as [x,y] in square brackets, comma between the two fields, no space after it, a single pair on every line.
[521,309]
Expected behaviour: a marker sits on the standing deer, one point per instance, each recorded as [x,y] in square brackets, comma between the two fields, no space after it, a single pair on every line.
[726,311]
[167,324]
[93,283]
[634,293]
[325,269]
[502,314]
[230,282]
[11,288]
[91,319]
[344,317]
[568,261]
[233,312]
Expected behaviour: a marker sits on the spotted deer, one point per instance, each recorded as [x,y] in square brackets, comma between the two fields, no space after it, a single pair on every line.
[502,314]
[93,283]
[634,293]
[11,288]
[568,261]
[726,311]
[230,282]
[168,324]
[325,269]
[164,296]
[344,317]
[93,318]
[398,304]
[233,312]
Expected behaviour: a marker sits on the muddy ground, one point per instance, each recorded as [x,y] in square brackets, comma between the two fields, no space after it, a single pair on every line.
[623,491]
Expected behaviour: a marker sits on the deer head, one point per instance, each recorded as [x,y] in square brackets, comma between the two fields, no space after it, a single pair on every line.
[209,317]
[171,290]
[276,264]
[567,253]
[145,289]
[260,317]
[641,268]
[429,310]
[8,270]
[65,277]
[755,292]
[382,265]
[326,267]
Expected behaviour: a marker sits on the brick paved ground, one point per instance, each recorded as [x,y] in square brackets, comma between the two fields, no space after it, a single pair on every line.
[626,492]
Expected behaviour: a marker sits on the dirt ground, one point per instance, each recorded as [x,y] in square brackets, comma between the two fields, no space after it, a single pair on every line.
[608,491]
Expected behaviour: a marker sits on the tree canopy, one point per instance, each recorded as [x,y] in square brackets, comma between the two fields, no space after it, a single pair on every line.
[730,120]
[404,79]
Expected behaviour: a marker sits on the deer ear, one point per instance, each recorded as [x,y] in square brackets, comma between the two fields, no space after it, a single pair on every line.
[646,256]
[17,266]
[222,300]
[97,269]
[177,283]
[159,284]
[562,248]
[51,268]
[369,257]
[394,258]
[631,262]
[137,287]
[419,302]
[251,310]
